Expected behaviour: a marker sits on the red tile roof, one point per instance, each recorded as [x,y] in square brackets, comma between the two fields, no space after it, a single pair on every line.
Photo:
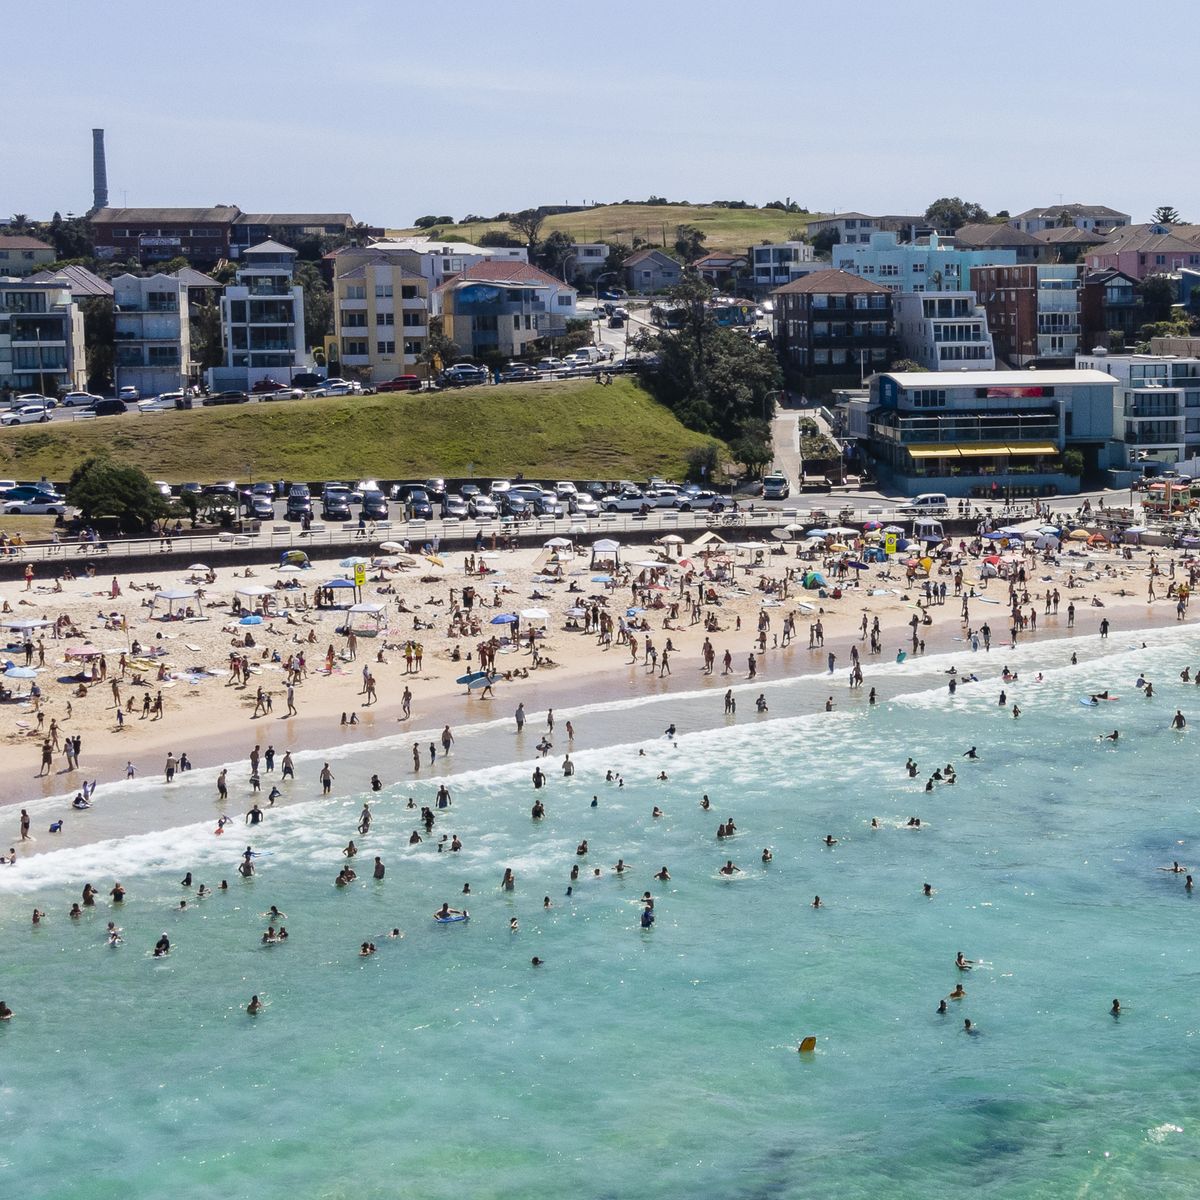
[507,271]
[832,282]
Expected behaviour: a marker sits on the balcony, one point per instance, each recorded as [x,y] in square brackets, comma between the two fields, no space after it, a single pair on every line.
[1155,435]
[266,288]
[1140,411]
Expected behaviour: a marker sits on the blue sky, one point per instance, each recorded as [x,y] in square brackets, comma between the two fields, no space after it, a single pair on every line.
[391,110]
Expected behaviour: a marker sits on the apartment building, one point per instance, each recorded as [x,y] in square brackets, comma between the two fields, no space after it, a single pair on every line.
[946,331]
[152,350]
[262,319]
[772,264]
[930,264]
[1091,217]
[21,255]
[381,314]
[41,339]
[1033,311]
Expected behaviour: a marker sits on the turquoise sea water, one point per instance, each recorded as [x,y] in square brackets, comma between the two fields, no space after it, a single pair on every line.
[655,1063]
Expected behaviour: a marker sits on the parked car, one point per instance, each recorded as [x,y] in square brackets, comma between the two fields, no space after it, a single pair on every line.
[33,398]
[335,505]
[27,414]
[692,499]
[260,508]
[547,366]
[565,489]
[342,387]
[498,486]
[231,397]
[129,394]
[583,505]
[615,322]
[626,500]
[515,505]
[298,507]
[39,505]
[518,373]
[402,383]
[112,407]
[79,399]
[468,490]
[32,491]
[462,375]
[483,508]
[164,488]
[417,506]
[264,387]
[435,489]
[374,506]
[455,508]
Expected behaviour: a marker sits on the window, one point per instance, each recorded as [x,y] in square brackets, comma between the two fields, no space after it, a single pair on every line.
[354,320]
[385,347]
[237,312]
[412,319]
[356,291]
[385,318]
[918,268]
[566,301]
[353,346]
[889,269]
[408,292]
[383,291]
[414,347]
[516,320]
[927,398]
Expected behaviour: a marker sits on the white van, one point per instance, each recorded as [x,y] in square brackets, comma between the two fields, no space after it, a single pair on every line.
[930,504]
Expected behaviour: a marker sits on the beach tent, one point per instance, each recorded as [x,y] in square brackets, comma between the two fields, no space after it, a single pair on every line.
[814,579]
[171,598]
[538,616]
[294,558]
[250,593]
[558,543]
[366,620]
[25,623]
[606,553]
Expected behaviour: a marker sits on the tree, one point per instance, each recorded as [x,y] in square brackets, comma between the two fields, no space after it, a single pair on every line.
[1158,297]
[689,242]
[950,213]
[499,237]
[753,449]
[100,487]
[99,331]
[430,222]
[713,379]
[70,239]
[439,350]
[19,223]
[702,462]
[553,253]
[906,364]
[204,325]
[1164,214]
[1072,461]
[528,223]
[318,303]
[824,242]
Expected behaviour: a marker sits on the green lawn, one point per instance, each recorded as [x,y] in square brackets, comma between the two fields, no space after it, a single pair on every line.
[573,429]
[725,228]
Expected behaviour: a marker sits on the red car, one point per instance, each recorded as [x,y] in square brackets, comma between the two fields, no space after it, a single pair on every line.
[402,383]
[266,386]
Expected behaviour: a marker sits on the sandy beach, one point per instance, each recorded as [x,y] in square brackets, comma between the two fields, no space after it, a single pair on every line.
[212,718]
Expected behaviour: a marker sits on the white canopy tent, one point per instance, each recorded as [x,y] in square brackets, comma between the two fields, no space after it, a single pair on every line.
[366,620]
[171,598]
[254,597]
[606,553]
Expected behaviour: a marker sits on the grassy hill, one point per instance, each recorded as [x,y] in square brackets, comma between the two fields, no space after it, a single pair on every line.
[725,228]
[570,429]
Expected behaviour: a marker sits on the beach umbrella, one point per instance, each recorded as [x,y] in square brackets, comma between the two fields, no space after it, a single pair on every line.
[671,539]
[288,567]
[504,619]
[1097,539]
[355,561]
[392,547]
[872,524]
[781,534]
[576,612]
[602,579]
[251,620]
[1137,529]
[1049,529]
[433,558]
[535,614]
[21,673]
[839,547]
[557,543]
[794,528]
[198,567]
[817,533]
[1078,535]
[577,529]
[649,562]
[893,529]
[995,536]
[842,531]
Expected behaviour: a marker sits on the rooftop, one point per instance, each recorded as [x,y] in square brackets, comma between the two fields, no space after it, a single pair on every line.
[974,236]
[1054,211]
[269,247]
[217,215]
[946,379]
[20,241]
[1061,235]
[343,219]
[82,282]
[832,281]
[519,274]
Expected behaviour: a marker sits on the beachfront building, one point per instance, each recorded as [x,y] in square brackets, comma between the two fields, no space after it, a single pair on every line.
[1002,239]
[495,310]
[585,261]
[1032,310]
[931,264]
[41,339]
[262,320]
[152,339]
[988,434]
[381,314]
[720,268]
[250,229]
[833,323]
[201,235]
[1111,310]
[1158,404]
[946,331]
[651,272]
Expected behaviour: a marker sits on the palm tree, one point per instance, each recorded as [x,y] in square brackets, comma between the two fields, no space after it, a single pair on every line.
[19,223]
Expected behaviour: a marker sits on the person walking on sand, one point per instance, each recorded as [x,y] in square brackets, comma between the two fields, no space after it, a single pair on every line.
[291,699]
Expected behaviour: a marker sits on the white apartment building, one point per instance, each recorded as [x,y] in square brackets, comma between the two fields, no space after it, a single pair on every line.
[943,331]
[262,320]
[41,339]
[586,261]
[1158,403]
[152,341]
[775,263]
[381,314]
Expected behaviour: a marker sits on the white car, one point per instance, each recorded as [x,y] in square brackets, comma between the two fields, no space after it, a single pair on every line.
[164,488]
[27,508]
[584,505]
[129,394]
[27,414]
[564,489]
[79,399]
[483,509]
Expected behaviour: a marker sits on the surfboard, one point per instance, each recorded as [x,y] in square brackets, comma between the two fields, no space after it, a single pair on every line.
[470,678]
[808,1045]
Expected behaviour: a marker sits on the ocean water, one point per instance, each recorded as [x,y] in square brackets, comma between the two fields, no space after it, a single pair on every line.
[656,1063]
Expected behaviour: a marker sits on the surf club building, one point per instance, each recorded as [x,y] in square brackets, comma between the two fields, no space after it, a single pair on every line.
[987,434]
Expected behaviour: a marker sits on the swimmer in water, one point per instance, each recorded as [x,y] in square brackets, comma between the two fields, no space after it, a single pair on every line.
[1111,737]
[536,962]
[968,1028]
[830,840]
[395,934]
[446,911]
[255,1006]
[663,874]
[874,822]
[942,1007]
[959,992]
[767,856]
[927,889]
[512,925]
[1178,721]
[704,802]
[816,902]
[658,812]
[730,869]
[963,963]
[972,753]
[1174,869]
[366,950]
[1116,1008]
